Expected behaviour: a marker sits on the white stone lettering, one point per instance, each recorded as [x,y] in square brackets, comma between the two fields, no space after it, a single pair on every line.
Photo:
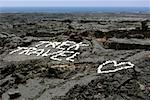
[60,54]
[56,50]
[38,52]
[76,46]
[64,45]
[71,58]
[27,50]
[19,49]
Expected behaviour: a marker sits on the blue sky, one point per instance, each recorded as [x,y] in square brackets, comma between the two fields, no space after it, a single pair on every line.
[74,3]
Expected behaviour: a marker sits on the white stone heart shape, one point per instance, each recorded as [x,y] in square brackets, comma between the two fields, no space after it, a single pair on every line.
[130,65]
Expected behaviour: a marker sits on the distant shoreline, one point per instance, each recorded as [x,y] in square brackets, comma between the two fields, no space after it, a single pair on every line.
[140,10]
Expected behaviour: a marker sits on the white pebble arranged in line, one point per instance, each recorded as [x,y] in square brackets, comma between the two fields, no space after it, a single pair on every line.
[130,65]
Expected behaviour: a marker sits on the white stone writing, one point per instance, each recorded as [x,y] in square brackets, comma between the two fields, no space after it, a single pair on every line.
[68,49]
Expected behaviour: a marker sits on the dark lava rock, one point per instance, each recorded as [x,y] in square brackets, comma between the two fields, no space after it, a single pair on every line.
[3,35]
[67,21]
[144,25]
[55,73]
[14,95]
[40,33]
[128,44]
[138,36]
[7,70]
[96,47]
[19,78]
[104,87]
[9,40]
[99,34]
[123,85]
[78,82]
[76,38]
[85,33]
[6,83]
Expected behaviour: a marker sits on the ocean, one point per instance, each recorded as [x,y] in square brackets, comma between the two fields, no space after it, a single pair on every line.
[75,10]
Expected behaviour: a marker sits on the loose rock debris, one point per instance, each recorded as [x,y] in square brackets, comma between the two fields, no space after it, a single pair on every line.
[14,95]
[89,40]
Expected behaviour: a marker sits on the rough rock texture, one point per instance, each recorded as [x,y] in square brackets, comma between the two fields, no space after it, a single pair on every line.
[120,37]
[128,44]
